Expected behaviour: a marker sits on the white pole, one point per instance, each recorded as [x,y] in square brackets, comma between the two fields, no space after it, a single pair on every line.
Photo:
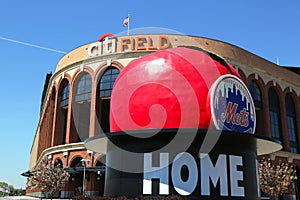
[128,27]
[83,162]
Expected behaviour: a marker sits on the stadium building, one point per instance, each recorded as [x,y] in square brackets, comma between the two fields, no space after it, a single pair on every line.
[86,75]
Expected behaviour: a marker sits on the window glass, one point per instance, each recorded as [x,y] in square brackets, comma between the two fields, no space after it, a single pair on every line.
[107,82]
[84,88]
[256,94]
[274,114]
[291,123]
[64,96]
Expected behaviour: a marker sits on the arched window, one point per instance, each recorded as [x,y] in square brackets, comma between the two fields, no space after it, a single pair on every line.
[291,123]
[84,88]
[62,113]
[105,86]
[256,94]
[274,114]
[76,162]
[76,176]
[58,162]
[107,82]
[82,107]
[64,95]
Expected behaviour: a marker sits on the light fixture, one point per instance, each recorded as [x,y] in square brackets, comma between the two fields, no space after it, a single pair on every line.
[90,152]
[66,154]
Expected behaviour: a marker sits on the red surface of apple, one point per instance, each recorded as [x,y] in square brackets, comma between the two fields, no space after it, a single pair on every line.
[166,89]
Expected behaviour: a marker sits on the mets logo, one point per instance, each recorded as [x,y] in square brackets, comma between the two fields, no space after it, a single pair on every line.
[231,105]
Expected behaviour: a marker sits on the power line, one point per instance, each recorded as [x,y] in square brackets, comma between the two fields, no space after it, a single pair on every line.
[33,45]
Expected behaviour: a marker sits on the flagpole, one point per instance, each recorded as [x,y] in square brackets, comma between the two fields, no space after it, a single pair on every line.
[128,24]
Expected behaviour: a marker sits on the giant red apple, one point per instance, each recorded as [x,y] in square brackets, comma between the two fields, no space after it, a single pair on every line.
[166,89]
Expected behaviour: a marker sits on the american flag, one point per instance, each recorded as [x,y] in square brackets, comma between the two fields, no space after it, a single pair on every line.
[126,21]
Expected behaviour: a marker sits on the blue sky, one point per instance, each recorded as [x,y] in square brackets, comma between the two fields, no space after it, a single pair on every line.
[268,28]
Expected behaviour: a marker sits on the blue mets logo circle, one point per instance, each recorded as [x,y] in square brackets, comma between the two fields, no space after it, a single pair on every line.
[231,104]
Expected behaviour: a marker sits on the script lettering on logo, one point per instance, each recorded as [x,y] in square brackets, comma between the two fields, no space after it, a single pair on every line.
[231,115]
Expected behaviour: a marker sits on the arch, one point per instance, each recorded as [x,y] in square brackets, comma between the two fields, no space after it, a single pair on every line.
[83,87]
[49,116]
[75,161]
[107,81]
[76,176]
[257,79]
[262,115]
[58,162]
[296,101]
[64,94]
[54,86]
[275,86]
[63,77]
[81,107]
[104,88]
[62,110]
[291,123]
[53,93]
[256,94]
[292,93]
[257,97]
[243,76]
[101,69]
[274,111]
[79,72]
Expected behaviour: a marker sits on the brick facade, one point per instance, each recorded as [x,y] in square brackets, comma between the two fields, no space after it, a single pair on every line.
[54,124]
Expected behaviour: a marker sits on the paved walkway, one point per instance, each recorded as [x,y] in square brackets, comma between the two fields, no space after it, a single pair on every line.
[21,198]
[18,198]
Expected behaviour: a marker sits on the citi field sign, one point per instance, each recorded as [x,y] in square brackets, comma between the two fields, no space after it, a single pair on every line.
[109,43]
